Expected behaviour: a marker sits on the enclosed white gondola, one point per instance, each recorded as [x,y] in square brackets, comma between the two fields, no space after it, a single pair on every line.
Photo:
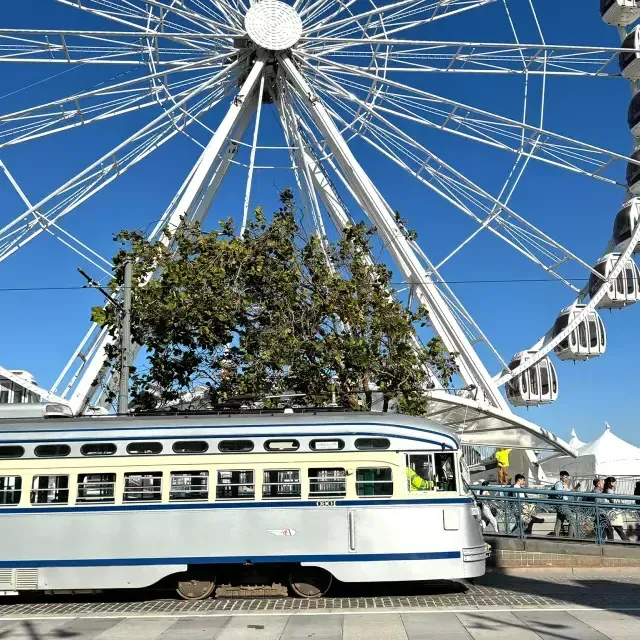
[629,59]
[620,13]
[534,386]
[633,174]
[622,291]
[633,115]
[587,340]
[625,224]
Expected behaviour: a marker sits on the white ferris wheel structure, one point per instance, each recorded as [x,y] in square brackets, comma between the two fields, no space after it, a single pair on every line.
[342,76]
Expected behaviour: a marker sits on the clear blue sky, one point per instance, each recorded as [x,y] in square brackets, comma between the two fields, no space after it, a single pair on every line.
[39,330]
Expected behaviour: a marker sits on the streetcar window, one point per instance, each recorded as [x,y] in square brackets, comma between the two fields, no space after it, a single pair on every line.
[98,449]
[10,489]
[50,490]
[143,486]
[144,448]
[96,487]
[236,485]
[445,472]
[327,483]
[369,444]
[374,482]
[421,472]
[334,444]
[189,485]
[52,450]
[281,483]
[235,446]
[11,451]
[190,446]
[281,445]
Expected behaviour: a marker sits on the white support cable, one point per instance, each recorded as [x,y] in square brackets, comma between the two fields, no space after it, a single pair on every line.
[464,180]
[108,157]
[533,130]
[471,368]
[107,271]
[252,158]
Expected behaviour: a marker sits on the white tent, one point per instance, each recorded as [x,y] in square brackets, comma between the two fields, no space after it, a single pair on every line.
[608,455]
[575,442]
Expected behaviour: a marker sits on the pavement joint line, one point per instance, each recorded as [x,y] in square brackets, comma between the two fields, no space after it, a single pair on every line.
[192,614]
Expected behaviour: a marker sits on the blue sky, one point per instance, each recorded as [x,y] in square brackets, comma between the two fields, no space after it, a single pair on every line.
[40,329]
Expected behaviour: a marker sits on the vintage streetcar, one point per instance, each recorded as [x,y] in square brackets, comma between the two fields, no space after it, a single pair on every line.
[270,497]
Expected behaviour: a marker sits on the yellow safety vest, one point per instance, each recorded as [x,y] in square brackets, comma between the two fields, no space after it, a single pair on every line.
[502,456]
[417,483]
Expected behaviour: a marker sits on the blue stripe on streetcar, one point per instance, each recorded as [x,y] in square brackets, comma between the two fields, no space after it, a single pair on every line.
[364,502]
[127,562]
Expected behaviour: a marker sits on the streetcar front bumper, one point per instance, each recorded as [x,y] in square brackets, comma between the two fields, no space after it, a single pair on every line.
[475,554]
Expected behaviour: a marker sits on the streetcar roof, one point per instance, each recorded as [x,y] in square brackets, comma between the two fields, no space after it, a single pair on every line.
[272,424]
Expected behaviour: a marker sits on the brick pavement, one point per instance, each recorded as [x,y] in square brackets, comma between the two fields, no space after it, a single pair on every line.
[533,590]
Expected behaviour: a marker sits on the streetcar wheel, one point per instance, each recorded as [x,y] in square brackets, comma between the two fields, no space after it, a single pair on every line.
[195,589]
[310,582]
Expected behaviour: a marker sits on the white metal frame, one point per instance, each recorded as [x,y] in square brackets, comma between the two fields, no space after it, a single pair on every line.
[344,81]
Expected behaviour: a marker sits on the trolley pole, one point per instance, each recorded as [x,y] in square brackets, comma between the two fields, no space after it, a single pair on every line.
[123,396]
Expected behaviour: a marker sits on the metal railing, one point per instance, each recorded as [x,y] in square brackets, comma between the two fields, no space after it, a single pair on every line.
[535,513]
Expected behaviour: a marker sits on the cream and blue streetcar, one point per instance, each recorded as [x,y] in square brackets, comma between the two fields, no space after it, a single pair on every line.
[191,500]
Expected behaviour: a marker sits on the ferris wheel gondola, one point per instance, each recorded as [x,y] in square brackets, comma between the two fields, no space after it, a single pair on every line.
[633,115]
[633,174]
[625,223]
[622,291]
[587,340]
[536,385]
[620,13]
[629,60]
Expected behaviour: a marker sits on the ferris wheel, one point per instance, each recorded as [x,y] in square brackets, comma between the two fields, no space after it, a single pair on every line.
[357,91]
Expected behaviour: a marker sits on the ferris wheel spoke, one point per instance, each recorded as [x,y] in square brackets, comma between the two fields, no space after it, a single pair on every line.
[499,131]
[416,56]
[105,102]
[116,162]
[396,16]
[466,195]
[104,47]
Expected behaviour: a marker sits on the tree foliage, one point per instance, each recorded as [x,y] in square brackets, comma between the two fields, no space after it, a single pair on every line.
[271,312]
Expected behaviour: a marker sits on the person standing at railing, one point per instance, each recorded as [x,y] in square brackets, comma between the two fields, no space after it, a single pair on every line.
[486,510]
[528,510]
[613,517]
[563,512]
[502,458]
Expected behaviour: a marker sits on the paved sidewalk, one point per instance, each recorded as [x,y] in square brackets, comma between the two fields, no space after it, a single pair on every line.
[480,625]
[534,606]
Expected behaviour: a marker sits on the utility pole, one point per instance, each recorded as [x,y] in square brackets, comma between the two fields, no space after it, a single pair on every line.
[123,396]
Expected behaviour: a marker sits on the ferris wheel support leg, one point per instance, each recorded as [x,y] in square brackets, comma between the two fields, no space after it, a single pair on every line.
[193,204]
[471,368]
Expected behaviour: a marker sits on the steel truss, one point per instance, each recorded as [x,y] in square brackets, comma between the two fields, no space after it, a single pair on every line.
[346,80]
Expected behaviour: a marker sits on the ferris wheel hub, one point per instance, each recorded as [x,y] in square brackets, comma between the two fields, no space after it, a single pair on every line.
[273,25]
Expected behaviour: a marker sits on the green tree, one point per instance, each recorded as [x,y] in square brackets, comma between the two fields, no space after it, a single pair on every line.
[271,312]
